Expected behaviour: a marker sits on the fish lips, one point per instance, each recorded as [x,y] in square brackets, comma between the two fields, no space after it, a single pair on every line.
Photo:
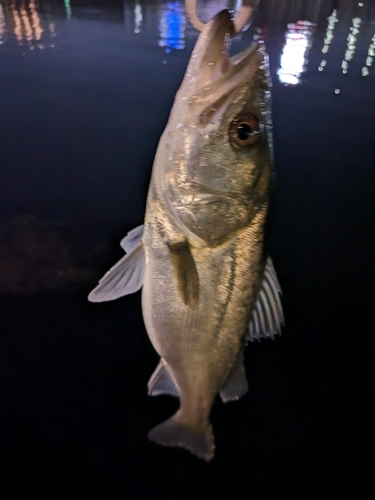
[216,35]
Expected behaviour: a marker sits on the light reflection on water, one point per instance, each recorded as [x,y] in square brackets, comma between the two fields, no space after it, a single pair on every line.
[68,9]
[354,30]
[172,25]
[138,17]
[22,21]
[32,26]
[294,57]
[332,21]
[2,25]
[369,58]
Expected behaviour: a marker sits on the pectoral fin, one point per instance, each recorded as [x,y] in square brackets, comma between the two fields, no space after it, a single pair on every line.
[185,272]
[267,317]
[123,278]
[236,385]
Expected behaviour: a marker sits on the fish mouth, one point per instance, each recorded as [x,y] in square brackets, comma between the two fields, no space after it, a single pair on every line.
[216,42]
[212,77]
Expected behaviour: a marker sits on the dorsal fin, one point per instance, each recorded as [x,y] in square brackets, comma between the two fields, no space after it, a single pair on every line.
[267,317]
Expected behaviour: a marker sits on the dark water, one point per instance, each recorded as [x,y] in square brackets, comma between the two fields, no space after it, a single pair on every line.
[85,92]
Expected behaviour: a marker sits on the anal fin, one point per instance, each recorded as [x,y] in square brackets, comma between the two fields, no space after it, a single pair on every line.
[236,385]
[161,382]
[185,273]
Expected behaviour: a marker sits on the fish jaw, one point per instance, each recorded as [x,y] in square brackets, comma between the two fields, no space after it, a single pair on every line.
[209,59]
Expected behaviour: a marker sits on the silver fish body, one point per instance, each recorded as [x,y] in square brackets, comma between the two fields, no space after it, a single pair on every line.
[203,236]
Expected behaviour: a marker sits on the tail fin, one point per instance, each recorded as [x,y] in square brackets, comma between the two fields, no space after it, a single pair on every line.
[175,433]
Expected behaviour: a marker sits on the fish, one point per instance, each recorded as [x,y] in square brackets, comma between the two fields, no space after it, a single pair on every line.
[208,286]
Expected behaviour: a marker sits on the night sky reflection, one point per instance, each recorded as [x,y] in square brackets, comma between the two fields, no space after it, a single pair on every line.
[85,91]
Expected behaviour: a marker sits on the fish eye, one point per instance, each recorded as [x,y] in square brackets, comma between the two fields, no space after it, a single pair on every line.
[244,131]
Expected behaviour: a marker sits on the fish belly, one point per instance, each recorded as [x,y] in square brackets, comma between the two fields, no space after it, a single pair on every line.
[200,342]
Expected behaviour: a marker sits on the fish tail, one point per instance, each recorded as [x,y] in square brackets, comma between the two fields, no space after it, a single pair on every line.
[174,432]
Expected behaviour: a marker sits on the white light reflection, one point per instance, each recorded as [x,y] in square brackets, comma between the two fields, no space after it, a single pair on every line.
[172,26]
[138,18]
[351,43]
[332,20]
[2,25]
[370,57]
[295,52]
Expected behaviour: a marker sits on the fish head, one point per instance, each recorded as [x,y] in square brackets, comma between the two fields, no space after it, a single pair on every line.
[221,115]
